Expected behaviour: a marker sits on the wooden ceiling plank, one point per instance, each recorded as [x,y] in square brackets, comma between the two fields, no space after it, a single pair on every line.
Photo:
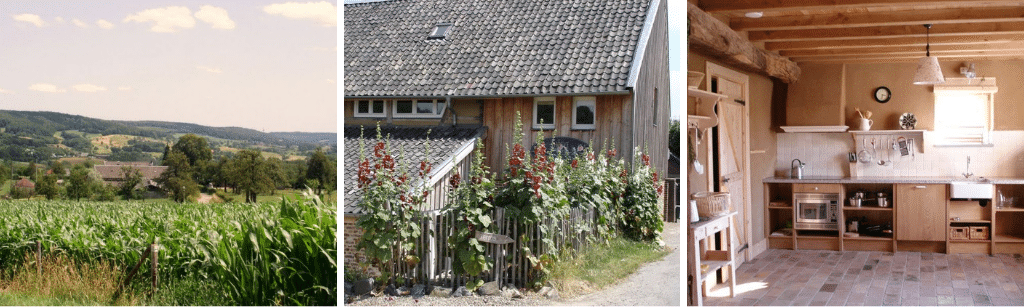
[741,6]
[887,32]
[942,57]
[895,18]
[910,60]
[903,50]
[886,42]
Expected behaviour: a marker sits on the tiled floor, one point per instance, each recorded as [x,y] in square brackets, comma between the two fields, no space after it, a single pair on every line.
[786,277]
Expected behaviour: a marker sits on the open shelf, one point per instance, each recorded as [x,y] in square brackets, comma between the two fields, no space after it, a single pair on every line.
[781,208]
[963,221]
[863,208]
[1008,238]
[1010,210]
[868,238]
[969,241]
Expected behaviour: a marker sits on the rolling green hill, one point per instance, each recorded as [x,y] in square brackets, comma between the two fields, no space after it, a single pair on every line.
[43,136]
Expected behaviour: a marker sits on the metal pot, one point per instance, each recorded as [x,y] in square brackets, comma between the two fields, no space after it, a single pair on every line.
[858,195]
[855,202]
[883,202]
[796,169]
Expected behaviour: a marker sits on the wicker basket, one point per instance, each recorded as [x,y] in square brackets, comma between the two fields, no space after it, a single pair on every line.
[979,233]
[959,233]
[712,204]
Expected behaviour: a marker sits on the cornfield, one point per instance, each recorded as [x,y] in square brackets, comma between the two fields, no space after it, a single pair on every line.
[258,254]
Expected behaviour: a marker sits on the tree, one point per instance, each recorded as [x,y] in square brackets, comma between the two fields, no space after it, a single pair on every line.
[177,179]
[167,150]
[323,170]
[131,177]
[5,173]
[47,186]
[57,169]
[194,147]
[673,138]
[79,183]
[252,174]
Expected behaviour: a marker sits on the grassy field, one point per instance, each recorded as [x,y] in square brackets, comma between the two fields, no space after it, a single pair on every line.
[270,253]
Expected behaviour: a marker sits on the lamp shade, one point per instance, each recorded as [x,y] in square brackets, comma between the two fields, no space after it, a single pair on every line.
[928,71]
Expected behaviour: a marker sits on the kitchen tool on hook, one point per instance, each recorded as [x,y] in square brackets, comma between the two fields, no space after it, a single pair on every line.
[902,143]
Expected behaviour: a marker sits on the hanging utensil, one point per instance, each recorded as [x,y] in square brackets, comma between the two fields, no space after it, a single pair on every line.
[902,143]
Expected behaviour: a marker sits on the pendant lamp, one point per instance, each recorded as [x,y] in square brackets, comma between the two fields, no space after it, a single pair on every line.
[928,70]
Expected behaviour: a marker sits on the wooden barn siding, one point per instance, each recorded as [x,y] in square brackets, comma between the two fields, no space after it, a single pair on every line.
[499,117]
[654,74]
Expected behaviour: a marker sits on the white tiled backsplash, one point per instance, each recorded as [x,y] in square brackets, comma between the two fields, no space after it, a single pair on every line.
[826,154]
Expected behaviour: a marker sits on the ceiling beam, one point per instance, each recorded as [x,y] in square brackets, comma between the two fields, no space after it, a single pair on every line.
[910,60]
[942,57]
[742,6]
[914,50]
[887,32]
[894,18]
[714,38]
[887,42]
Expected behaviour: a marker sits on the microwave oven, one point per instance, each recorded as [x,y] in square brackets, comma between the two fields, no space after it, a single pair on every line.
[816,211]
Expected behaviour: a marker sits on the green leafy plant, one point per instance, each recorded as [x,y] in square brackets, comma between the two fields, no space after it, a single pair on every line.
[641,218]
[471,203]
[390,201]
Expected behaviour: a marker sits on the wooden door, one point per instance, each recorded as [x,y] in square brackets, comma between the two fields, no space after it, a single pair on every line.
[732,147]
[920,212]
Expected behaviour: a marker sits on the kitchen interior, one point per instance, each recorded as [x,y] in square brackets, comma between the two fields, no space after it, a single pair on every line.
[880,145]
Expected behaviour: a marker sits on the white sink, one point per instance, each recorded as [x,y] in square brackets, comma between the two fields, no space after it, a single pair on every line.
[971,189]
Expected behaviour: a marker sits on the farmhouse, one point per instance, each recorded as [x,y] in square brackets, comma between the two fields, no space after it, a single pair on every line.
[587,72]
[112,173]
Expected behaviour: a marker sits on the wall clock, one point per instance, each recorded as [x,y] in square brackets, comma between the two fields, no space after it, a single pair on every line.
[882,94]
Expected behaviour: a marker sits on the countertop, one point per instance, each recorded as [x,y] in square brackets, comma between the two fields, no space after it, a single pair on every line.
[914,180]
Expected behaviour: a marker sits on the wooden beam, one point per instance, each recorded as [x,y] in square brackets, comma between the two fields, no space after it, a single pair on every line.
[894,18]
[714,38]
[886,42]
[911,60]
[741,6]
[910,57]
[913,50]
[888,32]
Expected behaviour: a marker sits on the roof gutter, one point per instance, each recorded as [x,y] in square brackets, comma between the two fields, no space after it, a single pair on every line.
[626,92]
[641,44]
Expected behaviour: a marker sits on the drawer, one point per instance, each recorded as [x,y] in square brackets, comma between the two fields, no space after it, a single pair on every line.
[817,188]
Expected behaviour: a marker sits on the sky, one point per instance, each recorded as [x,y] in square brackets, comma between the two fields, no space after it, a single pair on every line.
[269,65]
[677,55]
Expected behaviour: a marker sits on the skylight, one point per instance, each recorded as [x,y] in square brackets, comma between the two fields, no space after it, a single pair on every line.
[440,31]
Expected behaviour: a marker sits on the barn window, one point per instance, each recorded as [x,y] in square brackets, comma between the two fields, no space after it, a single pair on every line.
[544,113]
[584,112]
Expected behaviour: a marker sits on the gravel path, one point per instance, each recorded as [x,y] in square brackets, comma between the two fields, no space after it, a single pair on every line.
[654,284]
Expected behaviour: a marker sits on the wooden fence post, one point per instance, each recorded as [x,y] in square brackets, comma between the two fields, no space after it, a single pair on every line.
[39,257]
[154,248]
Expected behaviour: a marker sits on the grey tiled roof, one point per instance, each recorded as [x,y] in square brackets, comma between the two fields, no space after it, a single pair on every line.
[508,47]
[444,141]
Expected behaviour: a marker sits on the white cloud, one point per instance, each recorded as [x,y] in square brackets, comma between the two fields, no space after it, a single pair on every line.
[79,23]
[324,13]
[30,18]
[124,88]
[216,17]
[46,87]
[210,69]
[165,19]
[3,91]
[104,24]
[59,19]
[331,81]
[89,88]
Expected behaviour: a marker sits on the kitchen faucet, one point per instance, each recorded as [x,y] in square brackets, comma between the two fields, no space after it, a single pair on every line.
[968,174]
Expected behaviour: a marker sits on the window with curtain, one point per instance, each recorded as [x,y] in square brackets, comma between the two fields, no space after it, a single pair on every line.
[963,111]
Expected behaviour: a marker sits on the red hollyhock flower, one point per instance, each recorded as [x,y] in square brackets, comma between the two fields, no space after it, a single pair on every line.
[611,153]
[454,181]
[574,161]
[378,150]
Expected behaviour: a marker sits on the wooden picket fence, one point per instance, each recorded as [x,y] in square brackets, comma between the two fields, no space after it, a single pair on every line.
[509,263]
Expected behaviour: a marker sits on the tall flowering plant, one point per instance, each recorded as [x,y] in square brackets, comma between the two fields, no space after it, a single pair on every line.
[390,219]
[641,217]
[471,202]
[592,181]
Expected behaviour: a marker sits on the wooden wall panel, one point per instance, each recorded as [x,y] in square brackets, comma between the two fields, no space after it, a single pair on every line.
[654,74]
[499,117]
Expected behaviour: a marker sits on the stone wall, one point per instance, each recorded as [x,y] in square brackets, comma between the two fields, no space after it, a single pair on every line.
[355,260]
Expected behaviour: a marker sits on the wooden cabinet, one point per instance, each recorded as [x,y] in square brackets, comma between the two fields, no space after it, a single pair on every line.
[817,188]
[921,212]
